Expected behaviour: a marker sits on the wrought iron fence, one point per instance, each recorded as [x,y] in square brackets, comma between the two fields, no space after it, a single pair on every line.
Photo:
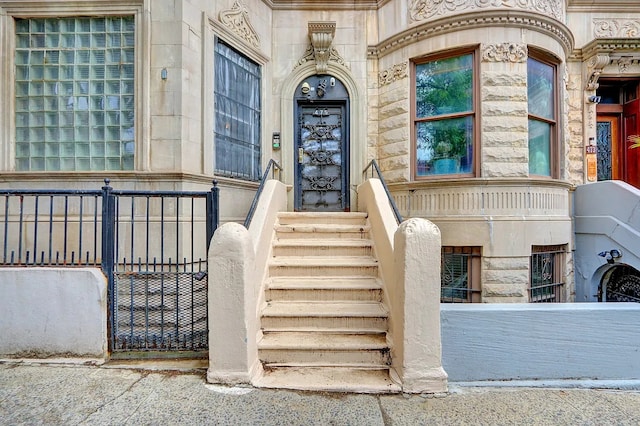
[151,245]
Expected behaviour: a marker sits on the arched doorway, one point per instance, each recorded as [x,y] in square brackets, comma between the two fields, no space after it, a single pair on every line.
[321,149]
[620,284]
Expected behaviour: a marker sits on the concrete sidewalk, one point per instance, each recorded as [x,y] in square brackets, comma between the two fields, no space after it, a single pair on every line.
[32,393]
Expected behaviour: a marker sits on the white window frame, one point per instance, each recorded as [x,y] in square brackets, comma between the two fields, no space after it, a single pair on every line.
[11,9]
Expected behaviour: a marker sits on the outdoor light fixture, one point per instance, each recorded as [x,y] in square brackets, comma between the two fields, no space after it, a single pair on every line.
[594,99]
[163,74]
[611,255]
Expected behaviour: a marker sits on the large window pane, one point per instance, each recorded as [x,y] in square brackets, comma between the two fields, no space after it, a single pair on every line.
[444,86]
[541,103]
[540,89]
[444,146]
[444,116]
[66,79]
[237,114]
[539,148]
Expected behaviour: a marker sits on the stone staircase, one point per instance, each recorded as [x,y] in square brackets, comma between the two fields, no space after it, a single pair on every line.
[324,326]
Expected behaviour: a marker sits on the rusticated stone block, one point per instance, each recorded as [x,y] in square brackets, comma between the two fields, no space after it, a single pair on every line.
[504,93]
[397,122]
[505,169]
[504,290]
[500,124]
[505,155]
[502,109]
[395,135]
[505,139]
[393,149]
[503,79]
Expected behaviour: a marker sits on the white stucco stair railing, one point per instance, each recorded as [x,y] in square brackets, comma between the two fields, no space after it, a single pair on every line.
[409,256]
[405,260]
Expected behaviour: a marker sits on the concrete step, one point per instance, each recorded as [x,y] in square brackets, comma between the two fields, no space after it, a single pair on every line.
[324,316]
[357,218]
[323,349]
[321,289]
[330,379]
[322,247]
[306,231]
[326,266]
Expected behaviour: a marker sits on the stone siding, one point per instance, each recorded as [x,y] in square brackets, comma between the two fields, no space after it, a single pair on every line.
[394,131]
[504,139]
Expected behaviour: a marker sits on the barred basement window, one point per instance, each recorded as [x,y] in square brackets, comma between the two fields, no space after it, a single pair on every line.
[74,93]
[547,274]
[460,275]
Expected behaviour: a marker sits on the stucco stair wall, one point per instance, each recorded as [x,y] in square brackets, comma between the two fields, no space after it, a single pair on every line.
[324,326]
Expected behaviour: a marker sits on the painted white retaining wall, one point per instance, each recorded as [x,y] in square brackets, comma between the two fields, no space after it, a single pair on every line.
[46,312]
[541,341]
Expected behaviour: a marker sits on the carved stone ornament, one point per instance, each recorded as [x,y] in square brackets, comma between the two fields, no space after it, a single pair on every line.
[595,66]
[237,20]
[504,52]
[394,73]
[320,50]
[624,63]
[616,28]
[421,10]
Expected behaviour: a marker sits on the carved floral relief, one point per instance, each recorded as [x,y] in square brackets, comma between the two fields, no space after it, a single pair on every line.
[394,73]
[504,52]
[612,28]
[237,20]
[421,10]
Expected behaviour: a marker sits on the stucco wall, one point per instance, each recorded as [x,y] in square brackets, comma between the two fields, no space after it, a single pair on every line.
[536,341]
[50,311]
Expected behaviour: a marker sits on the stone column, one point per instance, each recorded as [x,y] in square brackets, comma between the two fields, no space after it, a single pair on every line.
[417,260]
[231,260]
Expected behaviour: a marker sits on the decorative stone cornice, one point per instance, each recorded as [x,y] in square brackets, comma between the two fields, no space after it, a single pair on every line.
[473,20]
[325,4]
[504,52]
[320,50]
[620,28]
[422,10]
[237,20]
[600,53]
[392,74]
[605,6]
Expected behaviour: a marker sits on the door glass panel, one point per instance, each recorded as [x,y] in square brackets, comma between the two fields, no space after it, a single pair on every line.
[603,130]
[320,156]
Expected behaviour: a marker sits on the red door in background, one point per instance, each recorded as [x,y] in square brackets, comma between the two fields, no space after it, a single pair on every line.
[631,156]
[618,118]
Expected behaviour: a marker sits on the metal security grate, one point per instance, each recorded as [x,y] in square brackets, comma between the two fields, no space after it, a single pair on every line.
[161,309]
[547,274]
[460,273]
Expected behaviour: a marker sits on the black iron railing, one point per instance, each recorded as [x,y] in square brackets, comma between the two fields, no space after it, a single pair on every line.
[273,168]
[151,245]
[373,166]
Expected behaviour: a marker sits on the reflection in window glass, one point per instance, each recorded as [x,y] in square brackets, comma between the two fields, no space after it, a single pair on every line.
[74,94]
[444,116]
[541,103]
[539,144]
[237,114]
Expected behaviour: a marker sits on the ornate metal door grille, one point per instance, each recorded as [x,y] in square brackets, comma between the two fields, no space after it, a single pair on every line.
[321,159]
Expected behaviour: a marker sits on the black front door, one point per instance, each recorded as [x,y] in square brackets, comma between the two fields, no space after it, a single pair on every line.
[321,157]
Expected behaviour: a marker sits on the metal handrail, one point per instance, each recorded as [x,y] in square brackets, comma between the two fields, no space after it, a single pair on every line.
[373,165]
[272,166]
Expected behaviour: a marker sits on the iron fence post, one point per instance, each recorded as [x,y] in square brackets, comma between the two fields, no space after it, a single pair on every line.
[108,253]
[213,213]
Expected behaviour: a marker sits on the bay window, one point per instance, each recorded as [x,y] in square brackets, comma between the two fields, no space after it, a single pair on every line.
[444,115]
